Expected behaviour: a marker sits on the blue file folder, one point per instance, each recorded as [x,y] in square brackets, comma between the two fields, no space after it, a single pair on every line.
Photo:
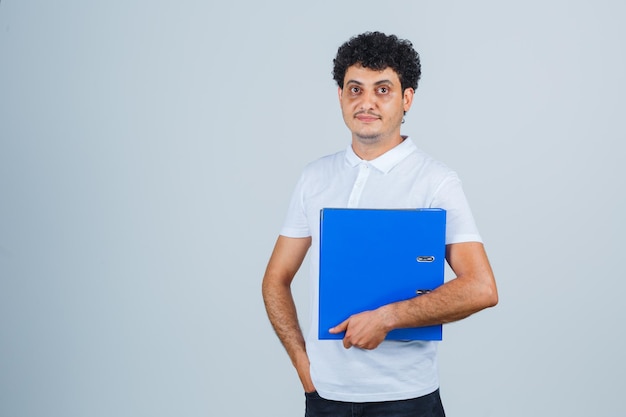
[372,257]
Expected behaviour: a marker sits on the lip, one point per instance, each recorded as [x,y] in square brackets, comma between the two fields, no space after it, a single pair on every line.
[366,118]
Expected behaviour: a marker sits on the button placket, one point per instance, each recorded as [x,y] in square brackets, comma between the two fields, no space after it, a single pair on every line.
[359,184]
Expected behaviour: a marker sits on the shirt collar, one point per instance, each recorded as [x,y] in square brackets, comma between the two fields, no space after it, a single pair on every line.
[386,161]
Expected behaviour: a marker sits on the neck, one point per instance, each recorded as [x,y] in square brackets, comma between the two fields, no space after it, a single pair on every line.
[371,148]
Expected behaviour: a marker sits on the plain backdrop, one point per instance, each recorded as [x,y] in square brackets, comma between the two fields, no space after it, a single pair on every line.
[148,150]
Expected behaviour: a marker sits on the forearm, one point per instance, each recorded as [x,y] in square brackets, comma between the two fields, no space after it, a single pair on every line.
[283,316]
[472,290]
[455,300]
[282,267]
[282,313]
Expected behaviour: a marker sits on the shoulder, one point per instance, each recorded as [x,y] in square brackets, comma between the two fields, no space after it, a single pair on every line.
[326,160]
[325,164]
[316,175]
[431,167]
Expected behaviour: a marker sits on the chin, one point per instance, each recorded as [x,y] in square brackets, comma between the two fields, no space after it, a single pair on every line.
[367,137]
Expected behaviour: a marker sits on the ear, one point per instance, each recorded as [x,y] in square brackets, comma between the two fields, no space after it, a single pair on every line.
[409,93]
[339,92]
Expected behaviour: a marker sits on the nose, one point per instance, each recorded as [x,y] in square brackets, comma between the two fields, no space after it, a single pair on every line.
[368,100]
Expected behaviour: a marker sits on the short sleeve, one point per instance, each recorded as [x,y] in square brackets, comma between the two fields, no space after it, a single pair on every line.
[460,225]
[296,224]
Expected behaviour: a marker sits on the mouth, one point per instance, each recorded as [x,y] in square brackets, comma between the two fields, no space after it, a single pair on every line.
[366,117]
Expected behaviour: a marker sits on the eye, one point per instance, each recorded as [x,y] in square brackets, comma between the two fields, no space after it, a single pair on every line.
[355,90]
[383,90]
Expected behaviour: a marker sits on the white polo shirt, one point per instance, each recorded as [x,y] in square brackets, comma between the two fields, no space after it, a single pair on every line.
[403,177]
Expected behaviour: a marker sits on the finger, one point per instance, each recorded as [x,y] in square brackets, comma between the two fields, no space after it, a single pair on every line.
[342,327]
[346,343]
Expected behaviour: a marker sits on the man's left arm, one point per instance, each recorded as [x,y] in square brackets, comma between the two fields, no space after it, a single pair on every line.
[473,289]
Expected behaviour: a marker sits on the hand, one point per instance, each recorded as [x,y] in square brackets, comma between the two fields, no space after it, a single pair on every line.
[365,330]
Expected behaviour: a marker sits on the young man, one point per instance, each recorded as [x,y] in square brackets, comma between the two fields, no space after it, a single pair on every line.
[377,76]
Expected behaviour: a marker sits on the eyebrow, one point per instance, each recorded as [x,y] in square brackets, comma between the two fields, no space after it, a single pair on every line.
[376,83]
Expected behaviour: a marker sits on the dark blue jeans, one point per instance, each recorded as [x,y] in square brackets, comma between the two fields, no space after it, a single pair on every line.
[426,406]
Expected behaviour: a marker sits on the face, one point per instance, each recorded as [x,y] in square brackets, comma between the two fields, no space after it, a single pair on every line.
[373,104]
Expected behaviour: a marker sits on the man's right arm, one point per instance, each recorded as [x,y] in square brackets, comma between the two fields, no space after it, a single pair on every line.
[285,261]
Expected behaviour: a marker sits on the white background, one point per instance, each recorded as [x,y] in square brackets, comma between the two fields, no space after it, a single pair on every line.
[148,150]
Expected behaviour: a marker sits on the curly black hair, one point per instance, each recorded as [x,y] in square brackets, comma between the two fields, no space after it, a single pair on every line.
[378,51]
